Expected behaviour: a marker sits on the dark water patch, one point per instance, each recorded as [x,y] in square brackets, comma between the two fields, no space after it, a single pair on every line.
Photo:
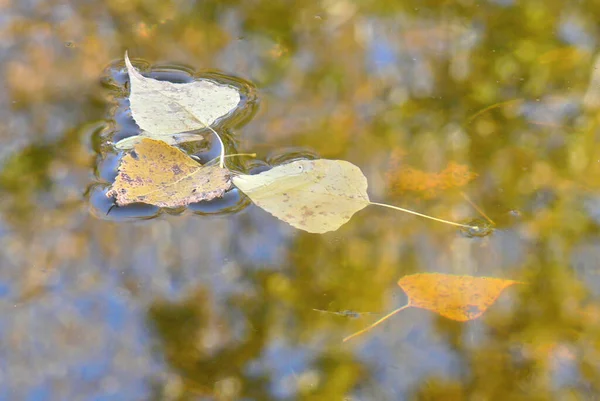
[252,166]
[288,155]
[231,202]
[478,228]
[257,167]
[105,208]
[107,167]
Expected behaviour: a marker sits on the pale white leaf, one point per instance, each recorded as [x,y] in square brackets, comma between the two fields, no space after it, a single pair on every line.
[313,195]
[173,139]
[164,108]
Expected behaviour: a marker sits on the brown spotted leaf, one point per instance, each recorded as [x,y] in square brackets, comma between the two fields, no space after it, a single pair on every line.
[162,175]
[313,195]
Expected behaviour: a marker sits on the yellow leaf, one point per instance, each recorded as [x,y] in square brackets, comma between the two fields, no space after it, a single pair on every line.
[456,297]
[313,195]
[159,174]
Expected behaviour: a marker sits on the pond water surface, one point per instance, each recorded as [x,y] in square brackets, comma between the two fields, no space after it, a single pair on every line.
[483,112]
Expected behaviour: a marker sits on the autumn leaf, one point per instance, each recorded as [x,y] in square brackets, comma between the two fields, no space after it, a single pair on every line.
[174,139]
[166,111]
[317,196]
[455,297]
[313,195]
[162,175]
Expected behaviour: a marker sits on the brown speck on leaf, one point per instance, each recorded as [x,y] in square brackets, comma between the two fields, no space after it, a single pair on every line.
[176,169]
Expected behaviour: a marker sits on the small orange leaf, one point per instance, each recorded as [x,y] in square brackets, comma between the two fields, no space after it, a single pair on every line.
[456,297]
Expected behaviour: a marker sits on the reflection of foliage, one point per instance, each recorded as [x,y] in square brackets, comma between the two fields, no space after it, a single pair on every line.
[35,170]
[407,179]
[182,330]
[350,80]
[31,165]
[211,358]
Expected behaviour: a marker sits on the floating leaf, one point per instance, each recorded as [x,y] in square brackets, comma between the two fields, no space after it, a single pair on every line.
[175,139]
[455,297]
[313,195]
[159,174]
[162,108]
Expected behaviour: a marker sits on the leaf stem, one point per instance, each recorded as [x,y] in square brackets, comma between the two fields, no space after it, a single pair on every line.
[493,106]
[242,154]
[358,333]
[222,157]
[222,161]
[424,215]
[481,212]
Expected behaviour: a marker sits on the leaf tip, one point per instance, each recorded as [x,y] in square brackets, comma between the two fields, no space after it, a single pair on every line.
[131,71]
[127,61]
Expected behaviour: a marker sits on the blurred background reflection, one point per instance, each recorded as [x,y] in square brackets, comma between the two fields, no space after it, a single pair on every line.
[443,105]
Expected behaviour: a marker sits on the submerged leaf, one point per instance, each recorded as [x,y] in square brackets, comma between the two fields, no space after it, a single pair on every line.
[162,108]
[159,174]
[456,297]
[313,195]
